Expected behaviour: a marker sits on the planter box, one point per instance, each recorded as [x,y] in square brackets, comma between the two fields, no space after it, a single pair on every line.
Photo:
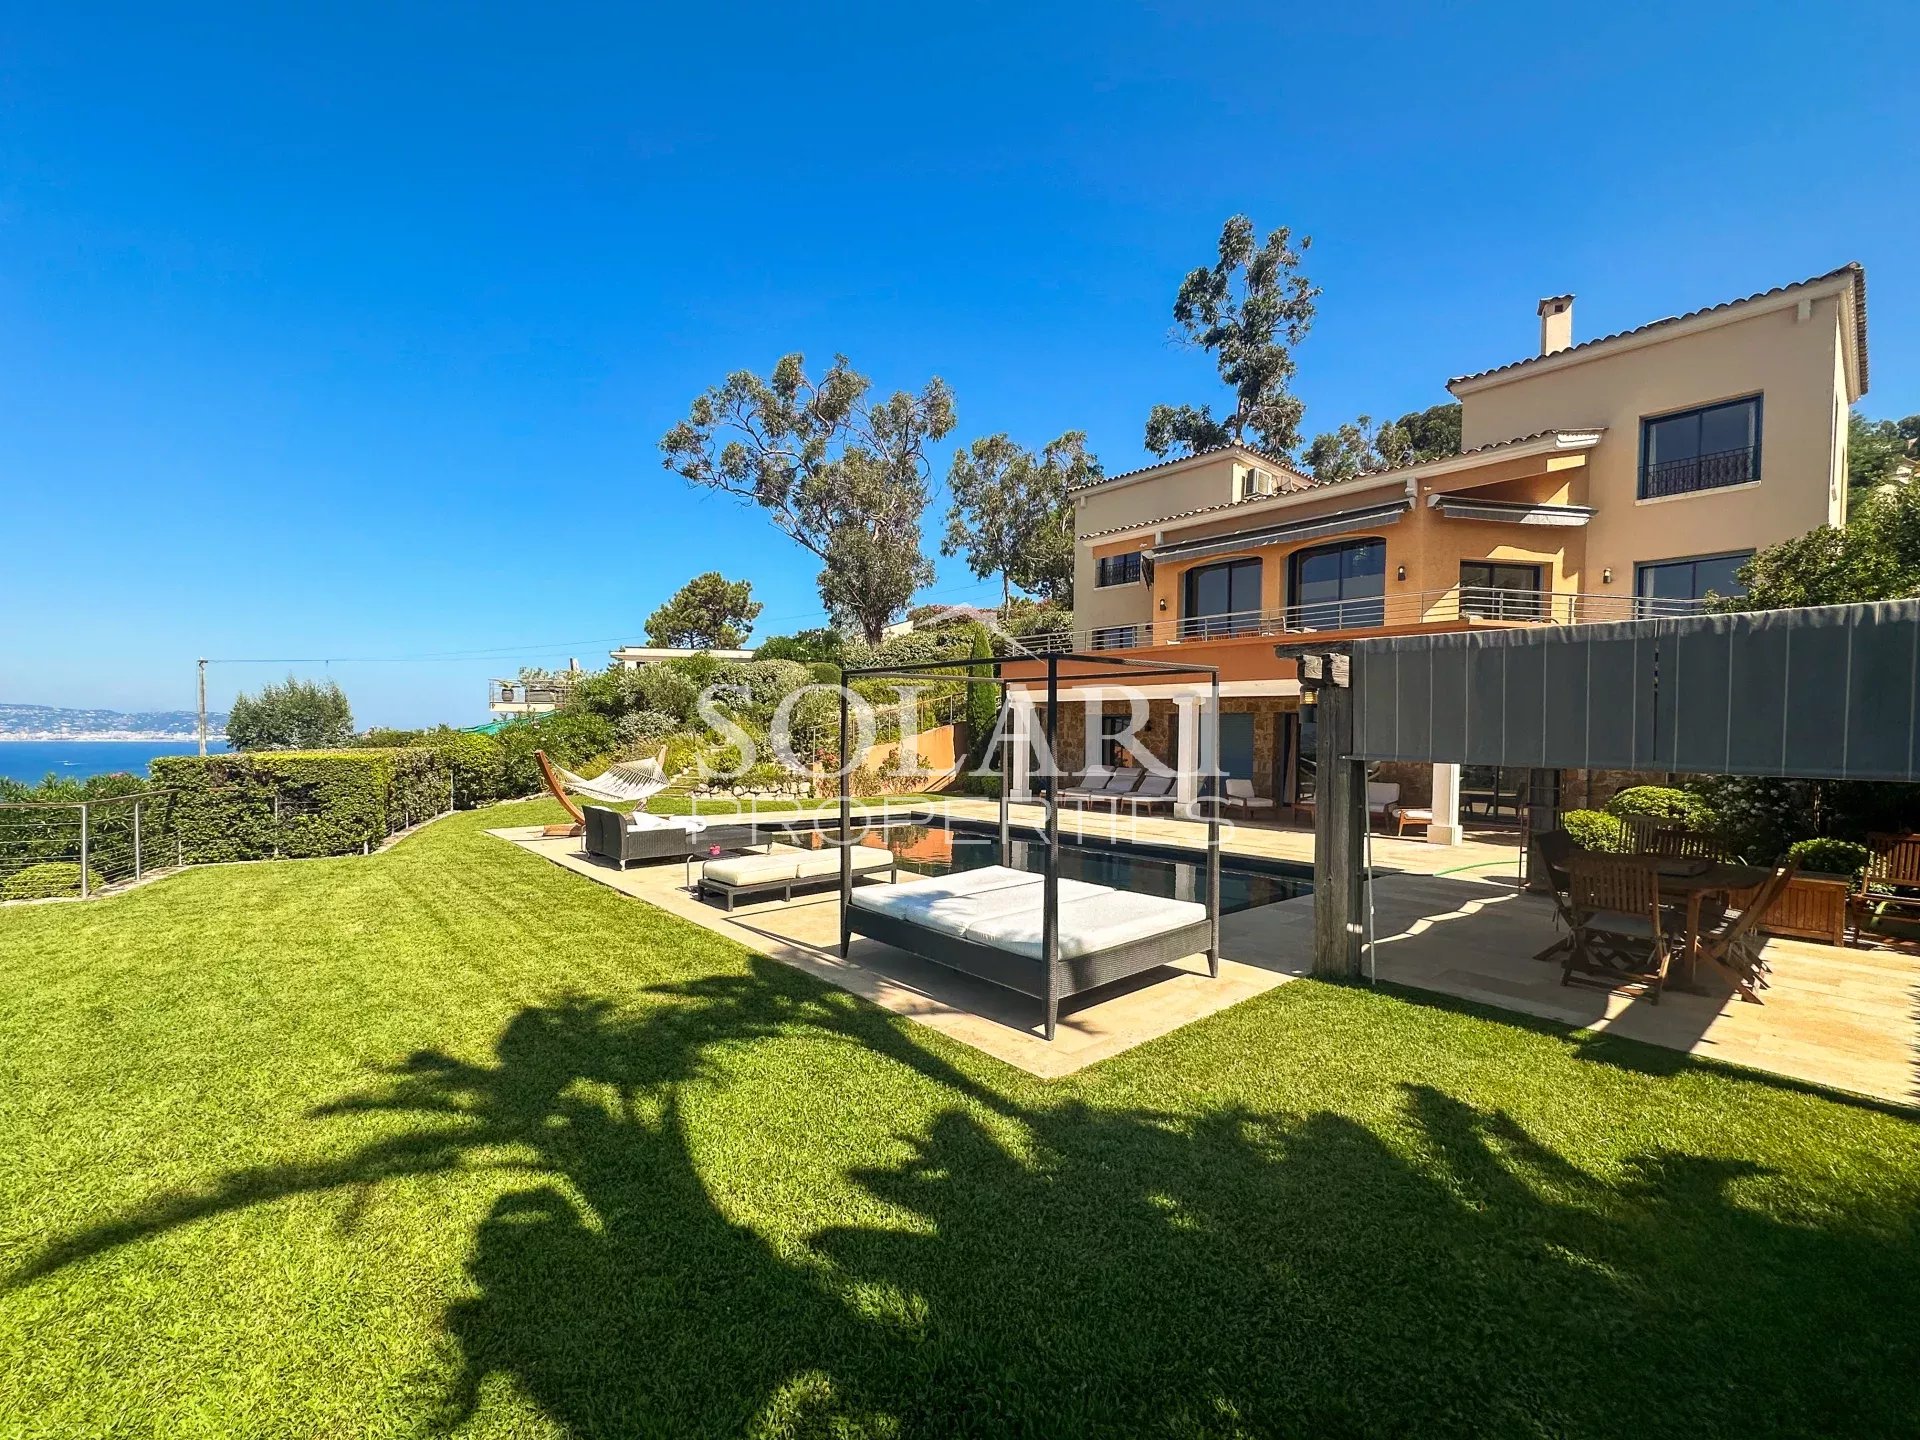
[1812,907]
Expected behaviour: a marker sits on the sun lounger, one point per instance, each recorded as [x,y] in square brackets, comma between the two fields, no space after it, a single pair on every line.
[1240,796]
[1120,782]
[784,869]
[1154,791]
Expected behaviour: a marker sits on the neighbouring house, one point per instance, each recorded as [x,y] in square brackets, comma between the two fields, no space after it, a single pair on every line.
[636,657]
[532,694]
[1614,478]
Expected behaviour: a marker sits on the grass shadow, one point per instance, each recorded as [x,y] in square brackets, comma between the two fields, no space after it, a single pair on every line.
[1059,1267]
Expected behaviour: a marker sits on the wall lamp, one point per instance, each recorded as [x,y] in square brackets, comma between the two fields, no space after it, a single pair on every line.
[1401,573]
[1606,576]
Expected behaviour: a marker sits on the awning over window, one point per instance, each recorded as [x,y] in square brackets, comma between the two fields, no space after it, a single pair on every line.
[1825,693]
[1511,512]
[1343,523]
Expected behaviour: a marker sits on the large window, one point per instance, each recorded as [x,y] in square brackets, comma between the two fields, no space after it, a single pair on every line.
[1338,587]
[1220,600]
[1700,449]
[1112,753]
[1117,569]
[1116,637]
[1498,590]
[1667,587]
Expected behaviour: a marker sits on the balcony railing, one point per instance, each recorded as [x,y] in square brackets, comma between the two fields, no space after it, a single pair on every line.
[1702,472]
[1463,604]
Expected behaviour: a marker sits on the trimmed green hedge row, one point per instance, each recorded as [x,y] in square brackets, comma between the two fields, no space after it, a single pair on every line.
[292,803]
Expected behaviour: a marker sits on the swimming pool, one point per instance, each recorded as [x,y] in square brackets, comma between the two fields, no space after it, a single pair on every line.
[941,847]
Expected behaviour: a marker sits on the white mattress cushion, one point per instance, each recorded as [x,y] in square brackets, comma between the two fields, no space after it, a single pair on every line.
[950,903]
[753,869]
[827,862]
[1087,922]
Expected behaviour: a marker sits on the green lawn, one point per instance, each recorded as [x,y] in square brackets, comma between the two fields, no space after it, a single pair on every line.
[450,1139]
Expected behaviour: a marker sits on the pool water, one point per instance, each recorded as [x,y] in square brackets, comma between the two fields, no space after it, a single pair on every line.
[942,850]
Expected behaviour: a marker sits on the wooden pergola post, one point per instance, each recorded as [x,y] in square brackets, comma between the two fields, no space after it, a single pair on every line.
[1339,824]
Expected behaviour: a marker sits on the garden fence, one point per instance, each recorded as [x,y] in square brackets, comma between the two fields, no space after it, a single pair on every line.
[80,848]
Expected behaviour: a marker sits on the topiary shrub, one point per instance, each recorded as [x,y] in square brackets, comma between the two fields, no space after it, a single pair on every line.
[49,880]
[1823,855]
[1594,830]
[1661,802]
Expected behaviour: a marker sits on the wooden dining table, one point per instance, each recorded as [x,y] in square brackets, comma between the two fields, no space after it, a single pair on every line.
[1688,881]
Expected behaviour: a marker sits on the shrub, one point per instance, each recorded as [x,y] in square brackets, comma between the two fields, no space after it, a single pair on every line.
[643,731]
[1661,802]
[1594,830]
[578,740]
[293,803]
[1825,856]
[476,762]
[47,880]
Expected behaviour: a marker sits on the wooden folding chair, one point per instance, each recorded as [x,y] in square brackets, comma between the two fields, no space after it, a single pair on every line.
[1619,934]
[1734,944]
[1548,852]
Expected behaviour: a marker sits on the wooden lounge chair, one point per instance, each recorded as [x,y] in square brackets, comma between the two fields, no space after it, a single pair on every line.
[1734,943]
[1240,796]
[1154,791]
[1619,932]
[1383,798]
[1891,880]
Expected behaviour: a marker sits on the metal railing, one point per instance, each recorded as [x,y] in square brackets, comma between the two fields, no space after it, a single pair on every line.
[1700,472]
[80,848]
[1459,605]
[50,848]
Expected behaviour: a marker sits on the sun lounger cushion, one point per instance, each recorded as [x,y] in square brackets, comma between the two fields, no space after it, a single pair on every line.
[789,863]
[950,903]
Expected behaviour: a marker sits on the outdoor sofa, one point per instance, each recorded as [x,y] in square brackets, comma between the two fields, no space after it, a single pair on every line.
[783,869]
[622,839]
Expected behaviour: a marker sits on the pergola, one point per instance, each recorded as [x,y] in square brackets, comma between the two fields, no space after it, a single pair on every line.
[1821,693]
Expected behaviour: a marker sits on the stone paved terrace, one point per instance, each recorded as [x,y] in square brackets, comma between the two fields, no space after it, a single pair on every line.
[1448,920]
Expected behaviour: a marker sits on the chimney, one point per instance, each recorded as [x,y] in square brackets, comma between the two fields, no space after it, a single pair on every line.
[1556,323]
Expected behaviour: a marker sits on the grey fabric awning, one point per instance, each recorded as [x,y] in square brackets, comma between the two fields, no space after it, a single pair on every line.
[1511,512]
[1343,523]
[1825,693]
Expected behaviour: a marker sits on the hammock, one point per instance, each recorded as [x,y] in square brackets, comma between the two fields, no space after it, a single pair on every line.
[624,784]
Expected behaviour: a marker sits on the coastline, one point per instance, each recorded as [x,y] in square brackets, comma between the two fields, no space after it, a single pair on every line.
[120,737]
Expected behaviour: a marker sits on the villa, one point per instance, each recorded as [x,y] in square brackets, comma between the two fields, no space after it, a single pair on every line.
[1616,478]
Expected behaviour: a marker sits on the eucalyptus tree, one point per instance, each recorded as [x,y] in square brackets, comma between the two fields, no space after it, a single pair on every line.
[1012,512]
[1250,308]
[840,473]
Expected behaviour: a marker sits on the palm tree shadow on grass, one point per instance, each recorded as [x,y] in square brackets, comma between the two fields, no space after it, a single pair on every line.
[1110,1270]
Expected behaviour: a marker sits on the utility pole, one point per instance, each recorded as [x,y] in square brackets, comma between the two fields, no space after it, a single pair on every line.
[203,705]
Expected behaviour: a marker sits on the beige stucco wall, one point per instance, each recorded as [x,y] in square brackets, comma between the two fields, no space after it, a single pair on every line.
[1795,364]
[1172,490]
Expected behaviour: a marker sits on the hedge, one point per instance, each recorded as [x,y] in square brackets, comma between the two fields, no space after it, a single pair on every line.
[293,803]
[50,879]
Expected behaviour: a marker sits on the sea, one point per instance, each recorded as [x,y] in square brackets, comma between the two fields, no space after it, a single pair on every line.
[33,760]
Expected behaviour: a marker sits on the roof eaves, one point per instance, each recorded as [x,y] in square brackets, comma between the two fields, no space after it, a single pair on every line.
[1852,267]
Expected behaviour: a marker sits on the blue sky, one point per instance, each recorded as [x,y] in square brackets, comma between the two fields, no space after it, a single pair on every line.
[349,333]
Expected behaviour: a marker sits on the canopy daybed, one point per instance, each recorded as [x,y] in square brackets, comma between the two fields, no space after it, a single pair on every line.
[1038,935]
